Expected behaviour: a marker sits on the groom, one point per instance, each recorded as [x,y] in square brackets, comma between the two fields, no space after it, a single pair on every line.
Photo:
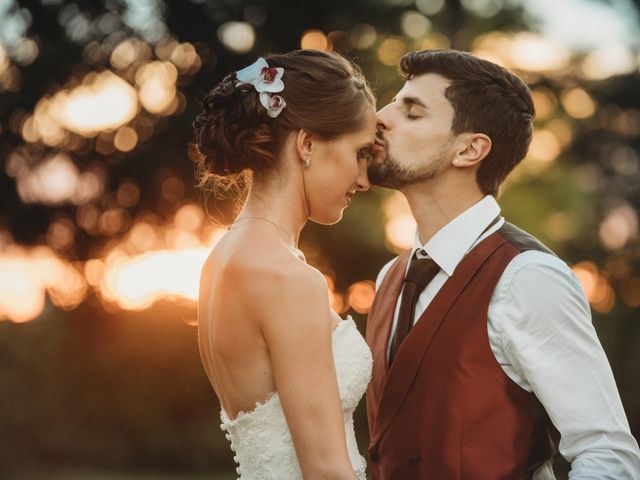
[484,354]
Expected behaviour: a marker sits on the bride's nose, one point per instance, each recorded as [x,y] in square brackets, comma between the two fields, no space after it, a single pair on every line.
[362,182]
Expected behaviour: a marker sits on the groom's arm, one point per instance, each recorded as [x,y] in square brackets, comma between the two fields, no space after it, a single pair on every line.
[541,320]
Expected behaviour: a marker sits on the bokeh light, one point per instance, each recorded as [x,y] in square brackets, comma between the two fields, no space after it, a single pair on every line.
[315,40]
[400,226]
[578,103]
[238,37]
[27,275]
[104,102]
[619,226]
[596,287]
[415,25]
[391,51]
[360,296]
[522,51]
[156,83]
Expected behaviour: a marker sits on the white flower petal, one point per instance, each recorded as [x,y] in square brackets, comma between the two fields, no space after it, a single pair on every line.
[273,87]
[265,100]
[273,110]
[252,72]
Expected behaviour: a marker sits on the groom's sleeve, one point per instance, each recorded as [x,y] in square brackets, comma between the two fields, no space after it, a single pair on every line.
[543,320]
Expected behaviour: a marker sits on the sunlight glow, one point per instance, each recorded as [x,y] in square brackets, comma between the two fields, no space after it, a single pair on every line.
[26,275]
[104,102]
[608,61]
[400,226]
[139,282]
[524,51]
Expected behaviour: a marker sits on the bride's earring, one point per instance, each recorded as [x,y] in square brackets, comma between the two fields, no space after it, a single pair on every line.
[307,161]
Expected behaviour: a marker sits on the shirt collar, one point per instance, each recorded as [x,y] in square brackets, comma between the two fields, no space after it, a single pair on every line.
[452,242]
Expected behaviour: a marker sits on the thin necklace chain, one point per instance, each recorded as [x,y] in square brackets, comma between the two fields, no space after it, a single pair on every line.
[295,245]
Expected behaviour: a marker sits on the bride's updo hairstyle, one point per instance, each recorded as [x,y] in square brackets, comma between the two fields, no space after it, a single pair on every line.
[235,137]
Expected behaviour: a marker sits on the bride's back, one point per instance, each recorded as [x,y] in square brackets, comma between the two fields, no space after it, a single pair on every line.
[232,347]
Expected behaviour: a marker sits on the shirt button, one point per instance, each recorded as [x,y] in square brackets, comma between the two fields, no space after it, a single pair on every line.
[414,459]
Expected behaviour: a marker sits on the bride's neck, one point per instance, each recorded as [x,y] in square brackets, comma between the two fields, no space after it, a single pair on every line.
[279,201]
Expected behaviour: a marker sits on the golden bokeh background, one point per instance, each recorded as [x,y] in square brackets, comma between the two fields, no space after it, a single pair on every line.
[102,232]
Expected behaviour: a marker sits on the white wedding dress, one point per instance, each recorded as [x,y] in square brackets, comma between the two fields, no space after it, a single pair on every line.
[260,438]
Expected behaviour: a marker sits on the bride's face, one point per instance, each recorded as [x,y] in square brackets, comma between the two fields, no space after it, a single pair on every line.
[337,171]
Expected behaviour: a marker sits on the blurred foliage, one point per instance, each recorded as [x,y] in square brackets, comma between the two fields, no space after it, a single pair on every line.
[94,387]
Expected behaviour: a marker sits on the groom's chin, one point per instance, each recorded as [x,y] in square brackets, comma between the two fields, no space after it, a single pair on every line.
[381,175]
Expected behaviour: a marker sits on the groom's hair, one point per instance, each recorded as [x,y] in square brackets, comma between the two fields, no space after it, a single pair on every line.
[486,98]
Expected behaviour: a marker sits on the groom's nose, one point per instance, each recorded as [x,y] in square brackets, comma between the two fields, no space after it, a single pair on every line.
[382,119]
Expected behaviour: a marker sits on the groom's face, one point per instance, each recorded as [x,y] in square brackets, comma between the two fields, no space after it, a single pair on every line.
[416,129]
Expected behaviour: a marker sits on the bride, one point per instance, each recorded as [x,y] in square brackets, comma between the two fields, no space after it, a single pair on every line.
[288,371]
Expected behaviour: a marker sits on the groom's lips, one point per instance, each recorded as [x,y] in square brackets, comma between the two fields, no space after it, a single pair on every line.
[380,144]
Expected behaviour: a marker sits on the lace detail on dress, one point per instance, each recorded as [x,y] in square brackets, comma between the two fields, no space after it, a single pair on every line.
[260,437]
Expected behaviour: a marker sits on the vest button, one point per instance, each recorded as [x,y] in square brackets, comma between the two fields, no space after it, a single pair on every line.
[414,459]
[374,456]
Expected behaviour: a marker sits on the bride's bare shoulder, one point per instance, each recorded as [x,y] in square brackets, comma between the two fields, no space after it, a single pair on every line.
[285,278]
[253,267]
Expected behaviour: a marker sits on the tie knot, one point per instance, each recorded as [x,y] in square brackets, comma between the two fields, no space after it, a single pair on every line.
[421,271]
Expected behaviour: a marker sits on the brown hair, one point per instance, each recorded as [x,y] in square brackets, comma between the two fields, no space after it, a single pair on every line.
[325,94]
[486,98]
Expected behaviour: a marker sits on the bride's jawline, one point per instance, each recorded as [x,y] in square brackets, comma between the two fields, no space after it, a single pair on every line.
[270,396]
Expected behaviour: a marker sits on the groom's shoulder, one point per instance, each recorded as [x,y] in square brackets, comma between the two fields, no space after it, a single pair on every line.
[536,263]
[523,240]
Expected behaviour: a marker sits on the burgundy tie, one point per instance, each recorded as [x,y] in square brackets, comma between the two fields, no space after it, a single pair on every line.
[421,272]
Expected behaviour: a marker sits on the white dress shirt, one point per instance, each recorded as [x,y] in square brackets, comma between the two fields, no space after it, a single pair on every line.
[540,332]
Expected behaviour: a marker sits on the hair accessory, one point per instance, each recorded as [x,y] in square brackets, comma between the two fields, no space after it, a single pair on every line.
[266,80]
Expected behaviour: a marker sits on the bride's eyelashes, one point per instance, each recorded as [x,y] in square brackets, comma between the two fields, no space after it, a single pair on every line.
[364,153]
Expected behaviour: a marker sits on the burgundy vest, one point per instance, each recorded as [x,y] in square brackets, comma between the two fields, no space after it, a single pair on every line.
[446,410]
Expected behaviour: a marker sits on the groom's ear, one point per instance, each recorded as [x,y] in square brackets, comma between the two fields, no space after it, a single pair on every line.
[304,143]
[473,148]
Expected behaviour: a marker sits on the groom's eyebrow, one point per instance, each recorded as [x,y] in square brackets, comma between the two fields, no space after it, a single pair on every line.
[409,101]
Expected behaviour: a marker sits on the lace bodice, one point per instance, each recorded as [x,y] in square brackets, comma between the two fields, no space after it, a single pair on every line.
[260,438]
